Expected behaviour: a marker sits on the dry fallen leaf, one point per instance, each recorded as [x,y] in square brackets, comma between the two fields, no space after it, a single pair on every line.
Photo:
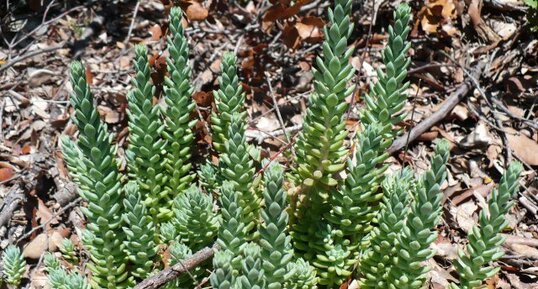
[6,174]
[196,12]
[438,14]
[36,247]
[156,32]
[464,215]
[524,147]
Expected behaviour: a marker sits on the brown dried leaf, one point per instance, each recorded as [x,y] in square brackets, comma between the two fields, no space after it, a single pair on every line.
[310,27]
[156,32]
[6,174]
[524,147]
[36,247]
[44,214]
[196,12]
[290,36]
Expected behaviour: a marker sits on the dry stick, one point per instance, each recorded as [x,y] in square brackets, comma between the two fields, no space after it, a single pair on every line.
[446,107]
[275,103]
[55,215]
[11,203]
[169,274]
[29,55]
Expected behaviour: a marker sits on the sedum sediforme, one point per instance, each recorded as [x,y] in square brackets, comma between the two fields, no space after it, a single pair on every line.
[14,266]
[222,276]
[195,221]
[413,243]
[91,162]
[356,203]
[485,241]
[303,275]
[231,235]
[251,265]
[178,124]
[276,251]
[68,251]
[320,150]
[144,158]
[229,100]
[238,169]
[377,258]
[140,230]
[387,96]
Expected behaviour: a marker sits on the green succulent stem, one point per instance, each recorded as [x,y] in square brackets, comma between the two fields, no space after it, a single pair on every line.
[276,250]
[92,164]
[222,276]
[253,275]
[140,230]
[320,150]
[194,219]
[377,258]
[144,153]
[413,243]
[388,95]
[177,116]
[303,275]
[229,100]
[485,241]
[231,236]
[14,266]
[238,169]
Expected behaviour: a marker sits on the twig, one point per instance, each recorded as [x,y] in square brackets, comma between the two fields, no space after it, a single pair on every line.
[275,104]
[11,203]
[445,108]
[166,275]
[61,211]
[126,41]
[29,55]
[260,136]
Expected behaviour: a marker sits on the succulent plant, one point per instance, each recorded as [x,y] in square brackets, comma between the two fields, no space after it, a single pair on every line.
[92,163]
[140,230]
[276,250]
[229,100]
[195,221]
[238,169]
[222,276]
[177,115]
[377,259]
[303,275]
[413,244]
[231,236]
[144,153]
[68,251]
[14,265]
[485,240]
[252,273]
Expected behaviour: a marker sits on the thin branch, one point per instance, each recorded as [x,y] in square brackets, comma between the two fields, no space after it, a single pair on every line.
[446,107]
[171,273]
[29,55]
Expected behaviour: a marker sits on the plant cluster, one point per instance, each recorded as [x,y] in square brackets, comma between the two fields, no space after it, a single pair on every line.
[337,214]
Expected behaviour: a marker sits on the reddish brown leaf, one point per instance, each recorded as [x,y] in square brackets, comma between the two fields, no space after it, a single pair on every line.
[196,12]
[89,75]
[290,36]
[6,174]
[156,32]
